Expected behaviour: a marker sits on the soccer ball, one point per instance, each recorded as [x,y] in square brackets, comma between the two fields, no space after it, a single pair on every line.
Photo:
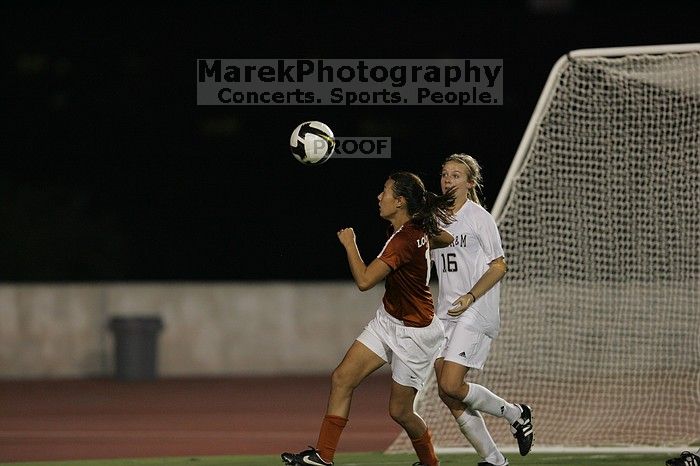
[312,142]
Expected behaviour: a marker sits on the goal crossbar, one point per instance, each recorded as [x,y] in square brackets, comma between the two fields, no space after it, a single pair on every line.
[609,52]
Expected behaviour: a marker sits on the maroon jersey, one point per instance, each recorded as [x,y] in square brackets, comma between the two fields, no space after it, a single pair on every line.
[407,295]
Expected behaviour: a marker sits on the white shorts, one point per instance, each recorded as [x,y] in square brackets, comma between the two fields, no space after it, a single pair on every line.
[466,345]
[411,351]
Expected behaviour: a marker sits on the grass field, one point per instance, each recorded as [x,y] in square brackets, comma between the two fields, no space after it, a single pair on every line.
[379,459]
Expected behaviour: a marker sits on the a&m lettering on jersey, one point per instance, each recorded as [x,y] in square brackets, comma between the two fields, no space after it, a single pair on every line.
[460,241]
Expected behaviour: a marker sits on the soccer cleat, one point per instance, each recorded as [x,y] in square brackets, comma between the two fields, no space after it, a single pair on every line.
[307,457]
[486,463]
[686,459]
[289,459]
[522,430]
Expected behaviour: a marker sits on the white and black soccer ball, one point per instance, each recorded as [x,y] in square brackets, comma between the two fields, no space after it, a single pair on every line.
[312,142]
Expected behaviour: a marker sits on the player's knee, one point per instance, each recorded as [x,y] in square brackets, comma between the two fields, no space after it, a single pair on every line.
[451,388]
[342,379]
[447,399]
[456,407]
[400,413]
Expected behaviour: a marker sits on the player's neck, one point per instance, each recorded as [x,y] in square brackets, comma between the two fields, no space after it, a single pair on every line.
[398,220]
[459,203]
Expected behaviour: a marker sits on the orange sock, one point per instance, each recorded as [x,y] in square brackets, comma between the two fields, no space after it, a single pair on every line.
[424,449]
[328,438]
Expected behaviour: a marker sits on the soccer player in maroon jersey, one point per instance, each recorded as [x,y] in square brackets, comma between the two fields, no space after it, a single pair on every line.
[404,332]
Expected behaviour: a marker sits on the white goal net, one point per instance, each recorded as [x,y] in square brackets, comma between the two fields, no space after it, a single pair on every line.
[600,220]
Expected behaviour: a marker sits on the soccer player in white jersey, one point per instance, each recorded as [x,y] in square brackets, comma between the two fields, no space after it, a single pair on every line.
[469,272]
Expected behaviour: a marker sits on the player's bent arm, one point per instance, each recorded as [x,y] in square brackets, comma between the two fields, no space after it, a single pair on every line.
[366,276]
[442,240]
[497,269]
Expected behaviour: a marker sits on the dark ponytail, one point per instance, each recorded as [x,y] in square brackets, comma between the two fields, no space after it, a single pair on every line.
[425,208]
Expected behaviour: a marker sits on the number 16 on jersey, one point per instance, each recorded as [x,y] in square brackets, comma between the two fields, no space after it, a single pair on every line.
[449,262]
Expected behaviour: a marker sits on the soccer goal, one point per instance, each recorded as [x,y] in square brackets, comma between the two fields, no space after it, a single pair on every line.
[600,220]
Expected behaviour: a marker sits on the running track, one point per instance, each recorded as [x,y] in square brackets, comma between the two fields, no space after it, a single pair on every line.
[102,418]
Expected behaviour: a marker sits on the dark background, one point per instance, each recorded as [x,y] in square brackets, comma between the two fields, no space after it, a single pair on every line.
[111,172]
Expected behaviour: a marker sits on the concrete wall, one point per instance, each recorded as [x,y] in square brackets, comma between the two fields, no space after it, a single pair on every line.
[210,329]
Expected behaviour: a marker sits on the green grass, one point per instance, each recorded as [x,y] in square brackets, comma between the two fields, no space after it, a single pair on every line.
[379,459]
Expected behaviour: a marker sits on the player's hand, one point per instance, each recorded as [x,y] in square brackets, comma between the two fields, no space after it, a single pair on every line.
[460,305]
[346,237]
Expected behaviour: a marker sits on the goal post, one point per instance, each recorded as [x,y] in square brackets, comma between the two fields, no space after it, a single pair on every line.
[600,220]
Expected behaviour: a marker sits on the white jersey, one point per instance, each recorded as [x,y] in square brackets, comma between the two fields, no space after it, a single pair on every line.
[460,265]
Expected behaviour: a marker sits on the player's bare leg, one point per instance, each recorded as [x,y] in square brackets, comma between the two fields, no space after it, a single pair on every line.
[358,363]
[480,398]
[401,411]
[470,422]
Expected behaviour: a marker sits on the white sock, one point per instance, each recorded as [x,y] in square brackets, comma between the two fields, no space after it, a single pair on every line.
[482,399]
[474,429]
